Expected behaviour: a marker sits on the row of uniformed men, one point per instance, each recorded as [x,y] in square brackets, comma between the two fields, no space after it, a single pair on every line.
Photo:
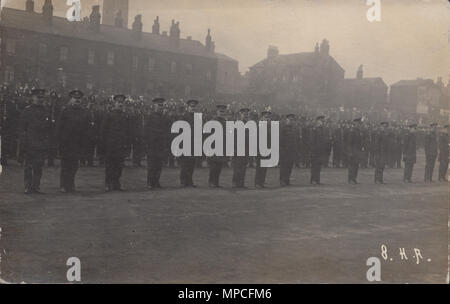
[73,123]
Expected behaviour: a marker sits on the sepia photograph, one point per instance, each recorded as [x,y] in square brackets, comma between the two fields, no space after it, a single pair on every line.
[224,142]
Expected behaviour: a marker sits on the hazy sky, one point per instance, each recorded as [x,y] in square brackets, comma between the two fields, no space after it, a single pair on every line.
[412,39]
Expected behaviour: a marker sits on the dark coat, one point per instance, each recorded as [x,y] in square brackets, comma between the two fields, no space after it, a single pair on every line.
[72,132]
[380,147]
[115,134]
[443,147]
[156,135]
[289,142]
[34,130]
[409,148]
[317,142]
[431,145]
[354,145]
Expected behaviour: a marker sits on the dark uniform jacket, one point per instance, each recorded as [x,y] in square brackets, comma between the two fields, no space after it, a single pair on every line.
[431,145]
[72,132]
[317,142]
[380,147]
[156,135]
[34,130]
[354,144]
[443,146]
[289,141]
[409,148]
[115,134]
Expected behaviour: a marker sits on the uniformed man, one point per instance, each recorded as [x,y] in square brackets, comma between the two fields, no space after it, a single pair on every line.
[92,133]
[240,162]
[53,109]
[261,172]
[409,152]
[380,151]
[443,154]
[289,148]
[187,163]
[431,151]
[116,138]
[138,126]
[34,128]
[216,162]
[71,130]
[317,148]
[337,145]
[156,137]
[355,150]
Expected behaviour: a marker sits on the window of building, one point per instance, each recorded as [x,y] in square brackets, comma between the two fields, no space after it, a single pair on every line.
[42,50]
[173,67]
[110,58]
[10,47]
[135,63]
[208,76]
[63,53]
[189,69]
[62,79]
[9,74]
[187,91]
[89,83]
[91,57]
[151,64]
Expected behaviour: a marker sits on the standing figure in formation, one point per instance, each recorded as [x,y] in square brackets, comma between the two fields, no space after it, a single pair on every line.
[337,145]
[355,150]
[381,151]
[216,162]
[187,163]
[261,172]
[431,152]
[34,129]
[92,134]
[115,135]
[53,113]
[409,153]
[317,148]
[71,134]
[240,162]
[443,154]
[289,147]
[156,137]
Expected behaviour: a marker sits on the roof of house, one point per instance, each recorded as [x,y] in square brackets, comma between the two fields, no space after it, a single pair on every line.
[305,58]
[33,21]
[221,56]
[413,82]
[366,81]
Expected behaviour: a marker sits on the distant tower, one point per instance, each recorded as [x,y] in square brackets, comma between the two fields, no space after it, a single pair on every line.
[209,44]
[110,10]
[359,73]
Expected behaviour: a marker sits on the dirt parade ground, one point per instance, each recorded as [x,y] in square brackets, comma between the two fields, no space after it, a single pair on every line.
[298,234]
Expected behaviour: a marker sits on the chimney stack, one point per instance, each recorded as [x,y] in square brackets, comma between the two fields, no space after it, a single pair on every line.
[209,43]
[272,51]
[29,6]
[155,27]
[47,12]
[94,18]
[137,27]
[359,73]
[325,47]
[118,22]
